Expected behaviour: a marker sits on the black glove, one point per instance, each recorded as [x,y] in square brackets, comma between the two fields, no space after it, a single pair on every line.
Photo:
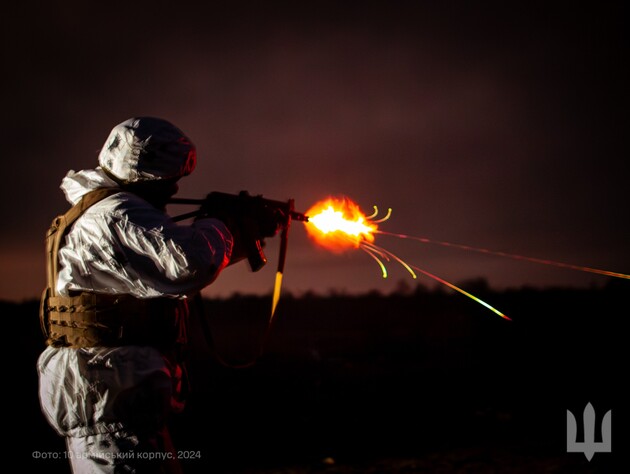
[269,221]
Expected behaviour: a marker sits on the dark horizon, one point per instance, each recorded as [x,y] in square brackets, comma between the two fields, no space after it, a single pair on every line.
[403,287]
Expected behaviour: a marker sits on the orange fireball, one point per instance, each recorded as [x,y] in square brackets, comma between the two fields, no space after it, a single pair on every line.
[339,224]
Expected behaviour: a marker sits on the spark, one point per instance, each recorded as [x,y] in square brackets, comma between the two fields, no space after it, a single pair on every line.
[410,268]
[377,257]
[373,215]
[383,219]
[508,255]
[463,292]
[395,257]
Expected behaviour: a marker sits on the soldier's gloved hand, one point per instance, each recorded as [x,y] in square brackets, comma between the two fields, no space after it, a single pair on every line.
[269,222]
[213,210]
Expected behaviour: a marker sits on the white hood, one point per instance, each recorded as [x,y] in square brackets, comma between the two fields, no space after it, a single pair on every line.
[76,184]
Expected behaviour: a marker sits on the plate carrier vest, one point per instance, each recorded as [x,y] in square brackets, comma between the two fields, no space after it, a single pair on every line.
[90,319]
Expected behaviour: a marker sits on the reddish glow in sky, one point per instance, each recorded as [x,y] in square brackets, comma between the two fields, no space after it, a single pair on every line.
[496,126]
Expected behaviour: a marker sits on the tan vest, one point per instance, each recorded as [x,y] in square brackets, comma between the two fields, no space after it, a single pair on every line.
[89,319]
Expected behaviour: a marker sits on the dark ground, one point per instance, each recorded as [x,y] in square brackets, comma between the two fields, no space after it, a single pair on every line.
[422,382]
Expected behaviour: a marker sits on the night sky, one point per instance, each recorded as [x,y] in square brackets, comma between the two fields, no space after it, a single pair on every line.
[496,126]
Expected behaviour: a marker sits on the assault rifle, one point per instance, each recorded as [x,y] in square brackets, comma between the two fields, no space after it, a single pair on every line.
[254,215]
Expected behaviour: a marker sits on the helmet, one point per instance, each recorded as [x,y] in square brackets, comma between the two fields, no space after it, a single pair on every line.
[147,149]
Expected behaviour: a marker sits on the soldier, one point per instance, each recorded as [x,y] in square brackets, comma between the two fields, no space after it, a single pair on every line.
[120,272]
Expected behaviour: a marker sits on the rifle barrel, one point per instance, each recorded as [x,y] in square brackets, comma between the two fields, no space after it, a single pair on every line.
[197,202]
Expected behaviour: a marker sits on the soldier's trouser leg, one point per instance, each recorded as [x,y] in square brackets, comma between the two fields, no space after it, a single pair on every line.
[116,403]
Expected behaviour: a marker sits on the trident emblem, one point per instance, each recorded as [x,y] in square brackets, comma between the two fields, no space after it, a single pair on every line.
[588,446]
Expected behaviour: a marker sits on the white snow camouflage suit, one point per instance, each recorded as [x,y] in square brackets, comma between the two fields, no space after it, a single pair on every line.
[102,399]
